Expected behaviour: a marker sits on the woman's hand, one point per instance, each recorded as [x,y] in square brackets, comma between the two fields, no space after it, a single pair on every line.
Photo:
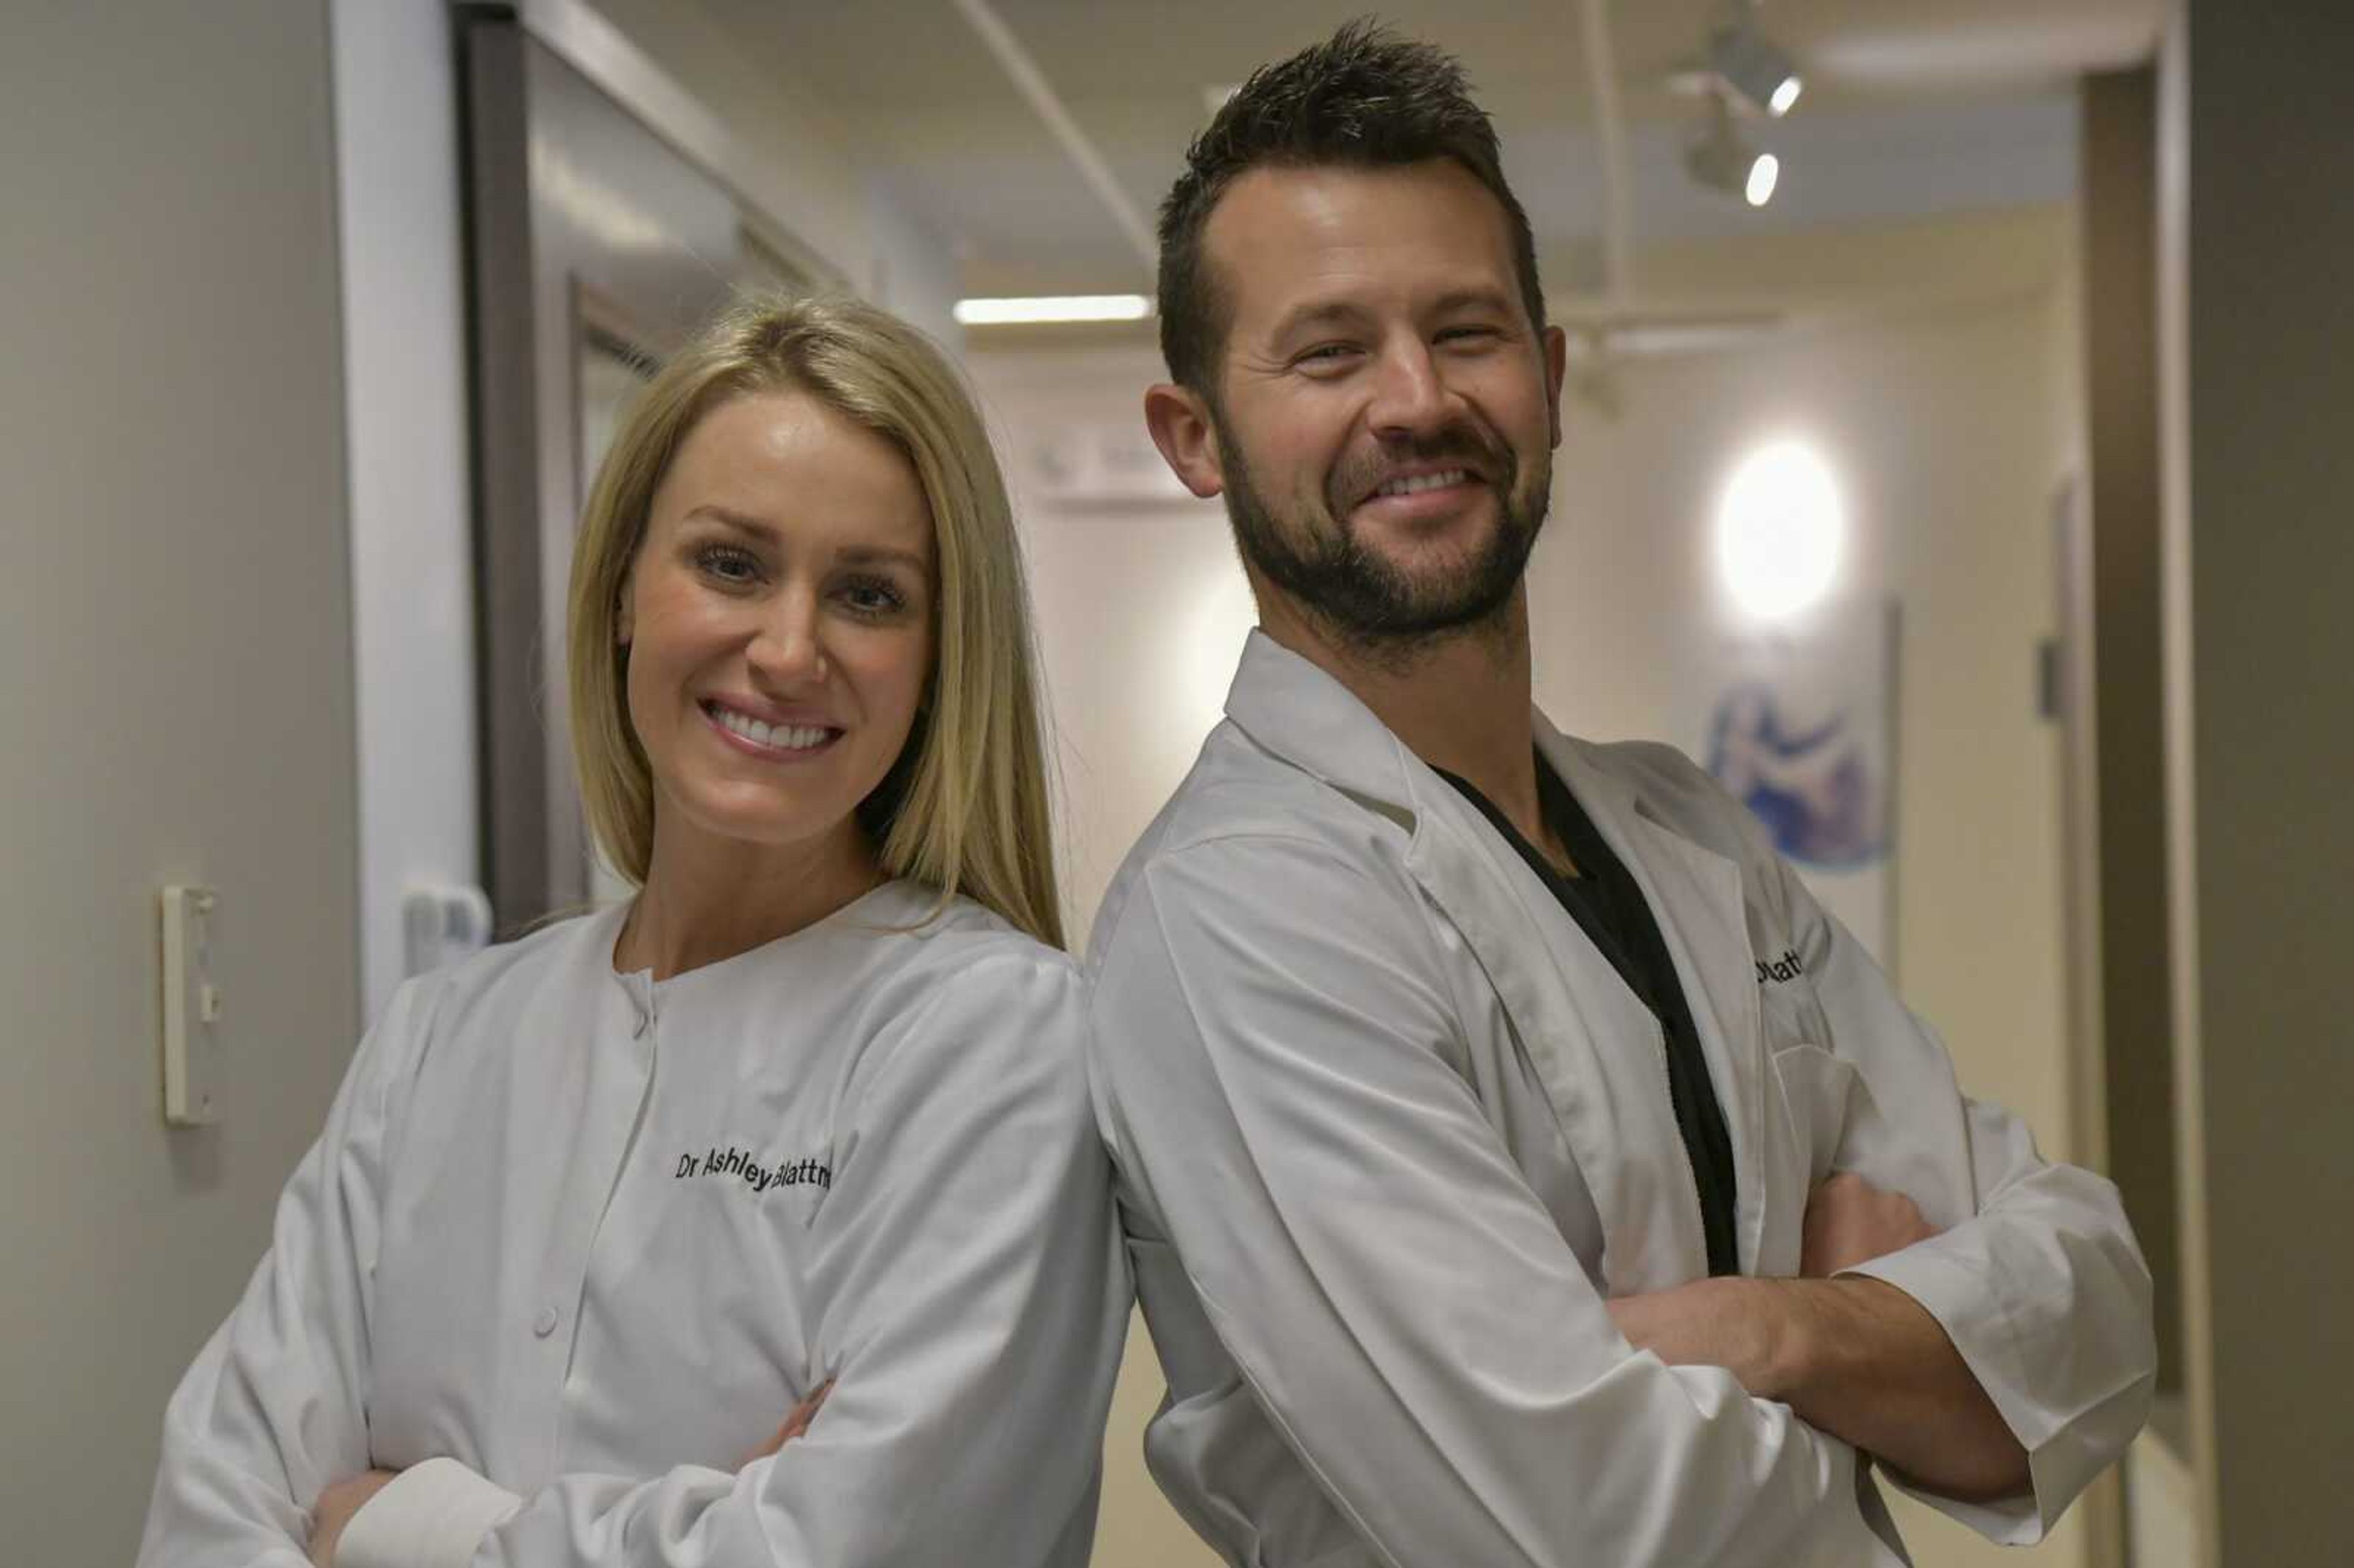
[795,1424]
[334,1509]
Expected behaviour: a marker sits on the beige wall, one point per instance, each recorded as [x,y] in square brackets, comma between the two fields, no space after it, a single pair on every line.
[174,633]
[1950,426]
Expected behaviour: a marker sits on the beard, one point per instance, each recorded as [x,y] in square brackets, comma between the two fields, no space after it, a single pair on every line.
[1365,600]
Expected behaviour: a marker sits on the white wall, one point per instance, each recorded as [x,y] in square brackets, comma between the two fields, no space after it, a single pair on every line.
[174,633]
[1949,429]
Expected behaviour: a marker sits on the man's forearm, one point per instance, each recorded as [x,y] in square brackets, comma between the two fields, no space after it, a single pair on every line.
[1877,1371]
[1853,1357]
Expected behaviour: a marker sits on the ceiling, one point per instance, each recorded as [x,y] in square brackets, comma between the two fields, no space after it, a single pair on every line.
[1915,110]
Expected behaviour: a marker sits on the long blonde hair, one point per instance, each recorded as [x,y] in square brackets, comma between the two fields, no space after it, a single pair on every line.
[964,807]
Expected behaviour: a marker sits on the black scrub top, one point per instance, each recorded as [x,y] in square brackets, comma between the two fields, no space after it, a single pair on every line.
[1609,907]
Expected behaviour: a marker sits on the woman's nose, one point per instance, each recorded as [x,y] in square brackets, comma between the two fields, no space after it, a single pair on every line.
[788,648]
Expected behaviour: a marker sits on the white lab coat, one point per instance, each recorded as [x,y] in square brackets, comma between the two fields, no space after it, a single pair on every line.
[589,1238]
[1390,1128]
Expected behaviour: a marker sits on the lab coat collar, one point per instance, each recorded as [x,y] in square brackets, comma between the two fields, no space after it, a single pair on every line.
[1593,1044]
[1295,710]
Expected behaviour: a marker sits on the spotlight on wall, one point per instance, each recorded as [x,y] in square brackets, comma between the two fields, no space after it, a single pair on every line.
[1780,531]
[1725,160]
[1748,63]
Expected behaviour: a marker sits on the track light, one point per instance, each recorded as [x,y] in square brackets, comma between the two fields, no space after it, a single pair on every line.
[1724,159]
[1743,58]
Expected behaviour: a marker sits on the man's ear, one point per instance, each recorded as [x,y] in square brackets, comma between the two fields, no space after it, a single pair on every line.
[1181,428]
[1556,361]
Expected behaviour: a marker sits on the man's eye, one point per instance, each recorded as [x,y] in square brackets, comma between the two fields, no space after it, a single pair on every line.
[1325,355]
[727,564]
[1471,334]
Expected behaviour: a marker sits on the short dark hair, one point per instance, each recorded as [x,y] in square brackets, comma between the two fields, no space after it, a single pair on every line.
[1364,98]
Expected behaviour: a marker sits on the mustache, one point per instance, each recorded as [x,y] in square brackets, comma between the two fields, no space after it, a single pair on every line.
[1357,477]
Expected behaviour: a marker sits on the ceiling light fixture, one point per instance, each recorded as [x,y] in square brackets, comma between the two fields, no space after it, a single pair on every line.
[1748,63]
[1724,159]
[1053,308]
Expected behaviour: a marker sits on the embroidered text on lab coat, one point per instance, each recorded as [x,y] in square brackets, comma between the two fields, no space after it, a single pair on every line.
[735,1161]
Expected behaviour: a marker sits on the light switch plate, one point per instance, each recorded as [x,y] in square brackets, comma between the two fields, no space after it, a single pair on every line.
[192,1008]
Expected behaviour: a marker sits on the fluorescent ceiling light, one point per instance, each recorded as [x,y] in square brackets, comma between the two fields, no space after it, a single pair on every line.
[1053,308]
[1764,173]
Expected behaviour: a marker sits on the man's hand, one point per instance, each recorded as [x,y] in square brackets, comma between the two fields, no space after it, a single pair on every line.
[795,1424]
[1854,1357]
[1850,1220]
[334,1509]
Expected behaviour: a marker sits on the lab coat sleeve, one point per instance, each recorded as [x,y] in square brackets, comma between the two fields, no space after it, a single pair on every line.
[1272,1030]
[274,1408]
[2035,1276]
[974,1304]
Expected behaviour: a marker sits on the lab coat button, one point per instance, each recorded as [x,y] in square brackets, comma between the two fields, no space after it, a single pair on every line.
[545,1324]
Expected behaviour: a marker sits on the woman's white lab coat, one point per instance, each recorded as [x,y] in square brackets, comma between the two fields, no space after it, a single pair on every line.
[1390,1128]
[585,1239]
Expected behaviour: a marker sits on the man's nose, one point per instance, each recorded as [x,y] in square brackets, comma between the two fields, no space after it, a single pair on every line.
[1410,397]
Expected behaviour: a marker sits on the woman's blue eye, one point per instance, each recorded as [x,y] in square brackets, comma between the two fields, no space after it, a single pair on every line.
[728,564]
[873,596]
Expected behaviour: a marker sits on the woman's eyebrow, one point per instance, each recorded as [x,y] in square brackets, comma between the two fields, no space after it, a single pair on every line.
[871,554]
[741,522]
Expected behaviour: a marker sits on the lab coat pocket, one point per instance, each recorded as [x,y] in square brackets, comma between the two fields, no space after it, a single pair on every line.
[1841,1129]
[1822,1093]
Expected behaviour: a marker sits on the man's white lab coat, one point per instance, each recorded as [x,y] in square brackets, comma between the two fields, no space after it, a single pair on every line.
[1390,1129]
[574,1242]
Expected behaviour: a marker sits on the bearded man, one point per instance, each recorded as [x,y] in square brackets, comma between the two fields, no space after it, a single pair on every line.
[1518,1165]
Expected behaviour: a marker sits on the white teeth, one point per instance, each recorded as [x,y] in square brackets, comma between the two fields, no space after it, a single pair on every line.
[777,737]
[1420,482]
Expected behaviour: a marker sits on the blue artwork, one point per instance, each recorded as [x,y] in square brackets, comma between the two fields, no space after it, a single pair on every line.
[1814,786]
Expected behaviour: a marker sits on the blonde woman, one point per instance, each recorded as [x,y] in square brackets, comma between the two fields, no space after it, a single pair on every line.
[761,1219]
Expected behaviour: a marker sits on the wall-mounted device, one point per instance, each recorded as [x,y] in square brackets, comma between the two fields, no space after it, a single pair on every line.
[192,1008]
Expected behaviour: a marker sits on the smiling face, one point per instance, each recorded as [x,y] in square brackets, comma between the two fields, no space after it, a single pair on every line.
[778,619]
[1386,411]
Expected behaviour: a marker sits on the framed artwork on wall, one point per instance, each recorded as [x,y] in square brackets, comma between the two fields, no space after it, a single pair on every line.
[1798,721]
